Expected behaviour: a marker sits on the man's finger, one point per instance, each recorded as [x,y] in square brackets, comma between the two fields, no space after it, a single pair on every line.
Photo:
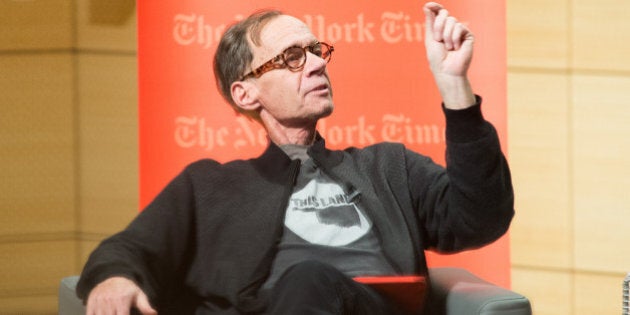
[440,24]
[430,12]
[143,305]
[459,35]
[449,26]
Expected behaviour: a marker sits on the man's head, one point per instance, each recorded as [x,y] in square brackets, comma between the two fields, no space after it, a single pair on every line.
[258,74]
[234,56]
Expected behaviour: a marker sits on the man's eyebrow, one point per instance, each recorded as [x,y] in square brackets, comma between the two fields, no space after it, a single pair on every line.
[298,44]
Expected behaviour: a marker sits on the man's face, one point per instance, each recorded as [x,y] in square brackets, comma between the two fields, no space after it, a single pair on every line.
[294,99]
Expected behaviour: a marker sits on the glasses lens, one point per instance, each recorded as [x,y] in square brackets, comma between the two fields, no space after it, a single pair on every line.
[325,51]
[294,57]
[317,49]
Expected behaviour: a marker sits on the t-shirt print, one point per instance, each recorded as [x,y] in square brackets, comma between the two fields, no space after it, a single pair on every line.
[320,213]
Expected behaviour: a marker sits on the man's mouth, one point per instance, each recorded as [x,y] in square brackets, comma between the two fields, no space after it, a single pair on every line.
[320,89]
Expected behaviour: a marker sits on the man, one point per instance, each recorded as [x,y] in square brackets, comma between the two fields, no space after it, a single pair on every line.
[285,233]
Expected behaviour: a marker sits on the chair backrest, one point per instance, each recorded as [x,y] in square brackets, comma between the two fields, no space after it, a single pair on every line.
[625,293]
[69,303]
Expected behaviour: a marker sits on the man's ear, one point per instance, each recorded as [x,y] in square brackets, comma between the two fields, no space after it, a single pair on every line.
[245,95]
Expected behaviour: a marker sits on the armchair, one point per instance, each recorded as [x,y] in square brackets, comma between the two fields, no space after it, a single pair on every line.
[454,291]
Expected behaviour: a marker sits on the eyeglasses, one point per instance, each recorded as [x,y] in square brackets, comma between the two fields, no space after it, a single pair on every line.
[293,58]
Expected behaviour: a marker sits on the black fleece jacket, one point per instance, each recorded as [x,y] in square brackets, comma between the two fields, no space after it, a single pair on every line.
[206,243]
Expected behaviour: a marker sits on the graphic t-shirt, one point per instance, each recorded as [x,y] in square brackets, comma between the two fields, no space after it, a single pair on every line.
[324,223]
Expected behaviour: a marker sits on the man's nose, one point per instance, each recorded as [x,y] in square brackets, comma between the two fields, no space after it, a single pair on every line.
[314,64]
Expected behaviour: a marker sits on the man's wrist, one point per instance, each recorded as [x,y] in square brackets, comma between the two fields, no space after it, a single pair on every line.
[456,92]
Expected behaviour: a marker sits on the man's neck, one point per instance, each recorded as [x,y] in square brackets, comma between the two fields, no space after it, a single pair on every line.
[283,135]
[286,136]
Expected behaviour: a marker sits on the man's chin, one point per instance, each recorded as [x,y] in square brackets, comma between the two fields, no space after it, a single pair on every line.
[319,110]
[328,110]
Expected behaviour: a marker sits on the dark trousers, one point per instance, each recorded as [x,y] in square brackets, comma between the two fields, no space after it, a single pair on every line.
[312,287]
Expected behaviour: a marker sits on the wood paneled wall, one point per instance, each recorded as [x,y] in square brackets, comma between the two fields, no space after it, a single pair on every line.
[568,81]
[68,139]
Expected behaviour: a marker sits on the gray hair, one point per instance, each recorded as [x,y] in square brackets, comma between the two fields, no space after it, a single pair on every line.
[233,55]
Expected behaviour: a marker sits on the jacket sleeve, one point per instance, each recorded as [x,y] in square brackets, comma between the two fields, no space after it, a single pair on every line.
[152,250]
[471,202]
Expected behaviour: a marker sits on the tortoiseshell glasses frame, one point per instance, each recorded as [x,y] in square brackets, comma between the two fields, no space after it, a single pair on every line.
[293,58]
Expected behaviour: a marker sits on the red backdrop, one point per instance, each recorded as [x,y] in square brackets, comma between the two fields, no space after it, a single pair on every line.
[383,88]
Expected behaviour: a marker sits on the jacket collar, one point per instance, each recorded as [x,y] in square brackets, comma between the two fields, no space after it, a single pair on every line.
[274,161]
[322,155]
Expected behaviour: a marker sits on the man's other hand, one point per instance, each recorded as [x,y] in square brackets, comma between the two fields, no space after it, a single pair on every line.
[116,296]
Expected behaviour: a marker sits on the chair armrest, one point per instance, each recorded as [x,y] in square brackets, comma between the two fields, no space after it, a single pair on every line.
[457,291]
[454,291]
[69,303]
